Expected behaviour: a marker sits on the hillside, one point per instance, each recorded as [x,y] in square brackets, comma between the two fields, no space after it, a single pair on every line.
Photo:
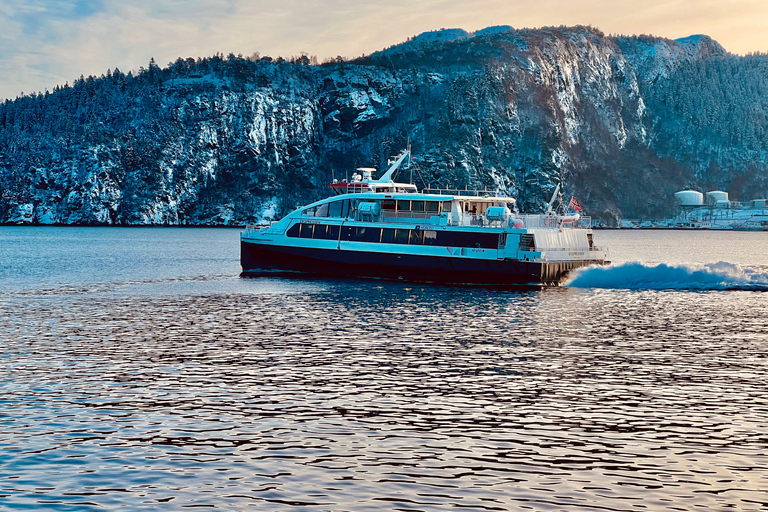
[621,122]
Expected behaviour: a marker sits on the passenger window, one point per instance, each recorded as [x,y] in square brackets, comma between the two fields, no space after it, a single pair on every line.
[309,212]
[415,237]
[306,231]
[417,206]
[447,206]
[345,208]
[404,206]
[334,209]
[387,235]
[353,208]
[431,206]
[373,235]
[320,231]
[322,210]
[388,204]
[430,237]
[358,235]
[333,233]
[401,236]
[293,231]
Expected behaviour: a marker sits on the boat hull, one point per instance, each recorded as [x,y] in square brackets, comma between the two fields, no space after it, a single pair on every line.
[257,259]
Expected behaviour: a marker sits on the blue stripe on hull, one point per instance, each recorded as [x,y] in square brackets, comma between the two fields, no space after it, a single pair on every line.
[256,258]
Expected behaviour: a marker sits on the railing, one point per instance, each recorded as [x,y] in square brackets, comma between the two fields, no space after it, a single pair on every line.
[358,190]
[529,221]
[249,228]
[475,220]
[460,192]
[405,217]
[552,221]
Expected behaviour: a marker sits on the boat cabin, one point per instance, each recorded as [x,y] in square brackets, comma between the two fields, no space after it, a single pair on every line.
[422,208]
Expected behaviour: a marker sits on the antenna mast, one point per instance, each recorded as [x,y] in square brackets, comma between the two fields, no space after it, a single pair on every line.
[387,177]
[552,201]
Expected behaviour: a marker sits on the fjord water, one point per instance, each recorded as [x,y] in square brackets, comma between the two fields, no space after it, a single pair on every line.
[138,371]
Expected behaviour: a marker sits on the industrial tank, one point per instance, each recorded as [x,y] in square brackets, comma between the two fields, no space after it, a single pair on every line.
[717,196]
[690,198]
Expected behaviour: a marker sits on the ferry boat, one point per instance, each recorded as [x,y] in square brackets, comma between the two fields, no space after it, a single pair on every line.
[383,229]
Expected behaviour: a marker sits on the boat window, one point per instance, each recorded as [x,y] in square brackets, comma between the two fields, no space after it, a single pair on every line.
[401,236]
[358,234]
[417,206]
[431,207]
[416,237]
[320,231]
[345,208]
[430,237]
[387,235]
[293,231]
[353,208]
[306,231]
[468,239]
[388,204]
[527,243]
[326,232]
[309,212]
[334,209]
[322,210]
[403,206]
[447,206]
[373,235]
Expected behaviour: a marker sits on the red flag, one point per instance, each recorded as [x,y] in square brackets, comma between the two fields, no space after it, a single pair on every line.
[574,204]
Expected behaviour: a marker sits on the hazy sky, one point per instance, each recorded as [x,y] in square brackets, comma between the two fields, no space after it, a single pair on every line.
[49,42]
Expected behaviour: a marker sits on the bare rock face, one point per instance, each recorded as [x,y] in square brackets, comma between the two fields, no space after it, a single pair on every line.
[621,123]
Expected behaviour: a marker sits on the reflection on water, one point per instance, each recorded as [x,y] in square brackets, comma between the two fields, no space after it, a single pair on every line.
[355,395]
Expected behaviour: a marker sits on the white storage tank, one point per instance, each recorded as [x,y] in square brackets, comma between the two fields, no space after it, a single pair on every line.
[716,196]
[690,198]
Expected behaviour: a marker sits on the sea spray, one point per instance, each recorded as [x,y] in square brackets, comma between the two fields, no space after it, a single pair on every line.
[640,276]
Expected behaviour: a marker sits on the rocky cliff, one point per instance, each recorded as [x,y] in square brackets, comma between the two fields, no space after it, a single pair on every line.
[621,122]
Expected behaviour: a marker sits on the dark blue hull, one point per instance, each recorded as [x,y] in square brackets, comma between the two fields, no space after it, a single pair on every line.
[257,259]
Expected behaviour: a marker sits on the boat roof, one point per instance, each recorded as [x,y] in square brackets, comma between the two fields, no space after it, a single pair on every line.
[362,186]
[418,196]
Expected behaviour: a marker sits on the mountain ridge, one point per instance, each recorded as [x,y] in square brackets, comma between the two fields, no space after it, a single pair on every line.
[622,122]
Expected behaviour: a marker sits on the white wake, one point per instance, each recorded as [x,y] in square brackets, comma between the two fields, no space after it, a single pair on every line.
[639,276]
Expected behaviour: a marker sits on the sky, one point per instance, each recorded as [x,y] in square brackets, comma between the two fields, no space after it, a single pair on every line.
[48,42]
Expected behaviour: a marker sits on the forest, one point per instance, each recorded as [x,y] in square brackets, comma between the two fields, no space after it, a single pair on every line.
[620,122]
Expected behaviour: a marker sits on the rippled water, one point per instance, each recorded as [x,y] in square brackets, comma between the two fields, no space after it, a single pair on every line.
[143,378]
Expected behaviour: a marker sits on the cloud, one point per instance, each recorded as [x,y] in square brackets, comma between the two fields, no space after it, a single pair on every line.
[49,42]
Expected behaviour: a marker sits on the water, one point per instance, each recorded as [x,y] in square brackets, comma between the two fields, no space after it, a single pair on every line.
[138,371]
